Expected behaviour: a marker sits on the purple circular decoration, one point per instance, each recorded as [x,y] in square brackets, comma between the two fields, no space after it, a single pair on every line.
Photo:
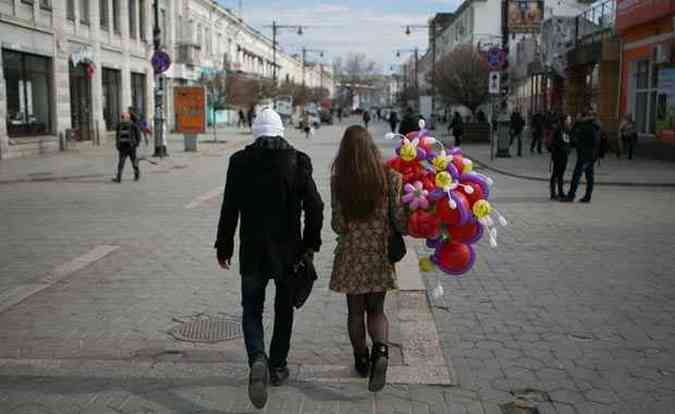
[480,181]
[478,236]
[464,214]
[434,243]
[453,171]
[456,151]
[161,61]
[469,265]
[436,194]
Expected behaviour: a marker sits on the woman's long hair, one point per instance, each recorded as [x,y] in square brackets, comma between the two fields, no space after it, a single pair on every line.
[359,175]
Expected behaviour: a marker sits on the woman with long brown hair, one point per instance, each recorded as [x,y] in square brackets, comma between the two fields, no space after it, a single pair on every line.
[363,190]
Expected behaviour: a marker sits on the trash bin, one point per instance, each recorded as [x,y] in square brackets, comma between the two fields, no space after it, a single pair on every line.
[190,143]
[503,129]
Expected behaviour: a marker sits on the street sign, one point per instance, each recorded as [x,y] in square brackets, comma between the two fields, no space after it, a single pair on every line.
[190,106]
[160,61]
[496,58]
[494,79]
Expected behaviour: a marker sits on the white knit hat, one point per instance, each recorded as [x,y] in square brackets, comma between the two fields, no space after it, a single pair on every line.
[268,124]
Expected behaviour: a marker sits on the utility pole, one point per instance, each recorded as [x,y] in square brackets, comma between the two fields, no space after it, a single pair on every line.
[160,148]
[275,29]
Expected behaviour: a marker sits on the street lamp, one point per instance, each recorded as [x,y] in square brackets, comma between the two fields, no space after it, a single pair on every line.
[408,31]
[275,28]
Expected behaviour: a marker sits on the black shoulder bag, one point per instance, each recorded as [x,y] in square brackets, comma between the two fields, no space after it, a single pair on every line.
[397,249]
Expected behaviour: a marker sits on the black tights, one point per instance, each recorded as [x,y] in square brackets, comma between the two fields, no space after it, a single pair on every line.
[358,306]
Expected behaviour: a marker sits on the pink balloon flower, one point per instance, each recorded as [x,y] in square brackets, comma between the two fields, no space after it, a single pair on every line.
[416,196]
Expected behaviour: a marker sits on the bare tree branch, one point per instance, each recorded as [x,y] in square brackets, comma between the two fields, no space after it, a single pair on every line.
[462,77]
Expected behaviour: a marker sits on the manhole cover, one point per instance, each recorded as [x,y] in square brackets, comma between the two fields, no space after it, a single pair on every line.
[207,330]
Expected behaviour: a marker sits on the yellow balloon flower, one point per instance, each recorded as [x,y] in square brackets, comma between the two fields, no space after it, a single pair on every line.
[482,209]
[468,166]
[426,265]
[443,180]
[441,162]
[408,152]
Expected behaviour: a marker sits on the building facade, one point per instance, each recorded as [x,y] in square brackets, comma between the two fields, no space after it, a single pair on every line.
[70,66]
[647,90]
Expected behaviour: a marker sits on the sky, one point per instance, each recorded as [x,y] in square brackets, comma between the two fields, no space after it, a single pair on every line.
[373,27]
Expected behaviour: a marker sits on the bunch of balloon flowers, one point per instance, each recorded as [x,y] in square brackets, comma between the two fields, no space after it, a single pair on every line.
[447,201]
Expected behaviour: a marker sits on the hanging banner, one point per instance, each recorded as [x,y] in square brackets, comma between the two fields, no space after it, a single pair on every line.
[524,16]
[190,107]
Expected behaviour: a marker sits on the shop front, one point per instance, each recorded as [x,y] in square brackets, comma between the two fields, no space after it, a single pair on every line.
[648,67]
[81,72]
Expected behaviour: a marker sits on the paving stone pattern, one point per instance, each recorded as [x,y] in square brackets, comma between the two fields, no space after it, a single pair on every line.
[576,302]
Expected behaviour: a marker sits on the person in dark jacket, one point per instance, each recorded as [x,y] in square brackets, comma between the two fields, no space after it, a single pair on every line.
[269,186]
[127,138]
[366,118]
[393,120]
[516,130]
[629,135]
[409,122]
[457,127]
[537,131]
[586,134]
[250,116]
[560,148]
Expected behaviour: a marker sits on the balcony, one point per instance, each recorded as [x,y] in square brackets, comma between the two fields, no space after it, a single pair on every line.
[595,24]
[188,54]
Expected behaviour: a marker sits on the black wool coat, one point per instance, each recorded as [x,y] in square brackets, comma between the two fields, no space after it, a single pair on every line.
[269,185]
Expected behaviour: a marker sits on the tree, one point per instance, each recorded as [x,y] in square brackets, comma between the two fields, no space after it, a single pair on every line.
[354,68]
[462,77]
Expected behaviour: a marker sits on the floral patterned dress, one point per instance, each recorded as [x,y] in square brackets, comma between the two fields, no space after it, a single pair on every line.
[361,264]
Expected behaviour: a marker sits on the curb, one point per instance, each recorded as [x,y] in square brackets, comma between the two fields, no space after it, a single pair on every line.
[600,183]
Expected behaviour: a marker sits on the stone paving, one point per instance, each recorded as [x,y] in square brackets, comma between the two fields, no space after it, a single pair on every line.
[573,311]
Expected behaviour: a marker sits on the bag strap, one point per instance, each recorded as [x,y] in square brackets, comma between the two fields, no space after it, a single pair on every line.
[392,221]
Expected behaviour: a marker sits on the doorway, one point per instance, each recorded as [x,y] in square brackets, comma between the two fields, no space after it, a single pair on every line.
[80,102]
[111,97]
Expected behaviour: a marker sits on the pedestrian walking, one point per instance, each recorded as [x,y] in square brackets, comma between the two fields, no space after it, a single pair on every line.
[586,138]
[537,125]
[393,120]
[250,116]
[516,130]
[271,240]
[242,119]
[560,148]
[628,135]
[457,127]
[365,193]
[306,125]
[127,138]
[366,118]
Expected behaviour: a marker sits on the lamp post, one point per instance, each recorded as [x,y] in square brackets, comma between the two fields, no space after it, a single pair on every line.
[160,148]
[275,29]
[415,52]
[304,60]
[408,31]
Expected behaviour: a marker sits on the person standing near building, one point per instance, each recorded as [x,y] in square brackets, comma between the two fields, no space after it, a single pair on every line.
[457,127]
[366,118]
[537,126]
[628,135]
[127,138]
[365,200]
[516,130]
[242,118]
[586,135]
[409,122]
[251,116]
[393,120]
[560,148]
[271,240]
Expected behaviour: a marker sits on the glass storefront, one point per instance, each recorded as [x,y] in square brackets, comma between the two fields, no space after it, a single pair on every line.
[112,86]
[138,92]
[645,80]
[27,80]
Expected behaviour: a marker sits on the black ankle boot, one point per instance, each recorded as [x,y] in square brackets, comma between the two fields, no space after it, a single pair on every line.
[379,360]
[362,363]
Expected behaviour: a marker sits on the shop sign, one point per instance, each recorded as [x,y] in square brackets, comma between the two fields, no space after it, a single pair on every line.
[524,16]
[190,107]
[83,54]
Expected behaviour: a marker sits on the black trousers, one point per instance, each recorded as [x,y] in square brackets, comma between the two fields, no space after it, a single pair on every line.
[559,166]
[517,136]
[536,141]
[458,140]
[393,126]
[628,145]
[253,303]
[124,152]
[588,169]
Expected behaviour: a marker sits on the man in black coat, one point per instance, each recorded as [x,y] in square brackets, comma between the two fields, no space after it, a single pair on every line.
[127,138]
[586,135]
[269,185]
[409,122]
[516,129]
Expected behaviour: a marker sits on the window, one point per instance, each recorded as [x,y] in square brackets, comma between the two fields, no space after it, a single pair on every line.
[84,11]
[116,15]
[44,4]
[103,10]
[70,9]
[141,19]
[27,89]
[112,86]
[644,100]
[138,92]
[132,18]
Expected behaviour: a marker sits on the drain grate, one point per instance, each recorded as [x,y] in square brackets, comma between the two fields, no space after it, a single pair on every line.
[207,330]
